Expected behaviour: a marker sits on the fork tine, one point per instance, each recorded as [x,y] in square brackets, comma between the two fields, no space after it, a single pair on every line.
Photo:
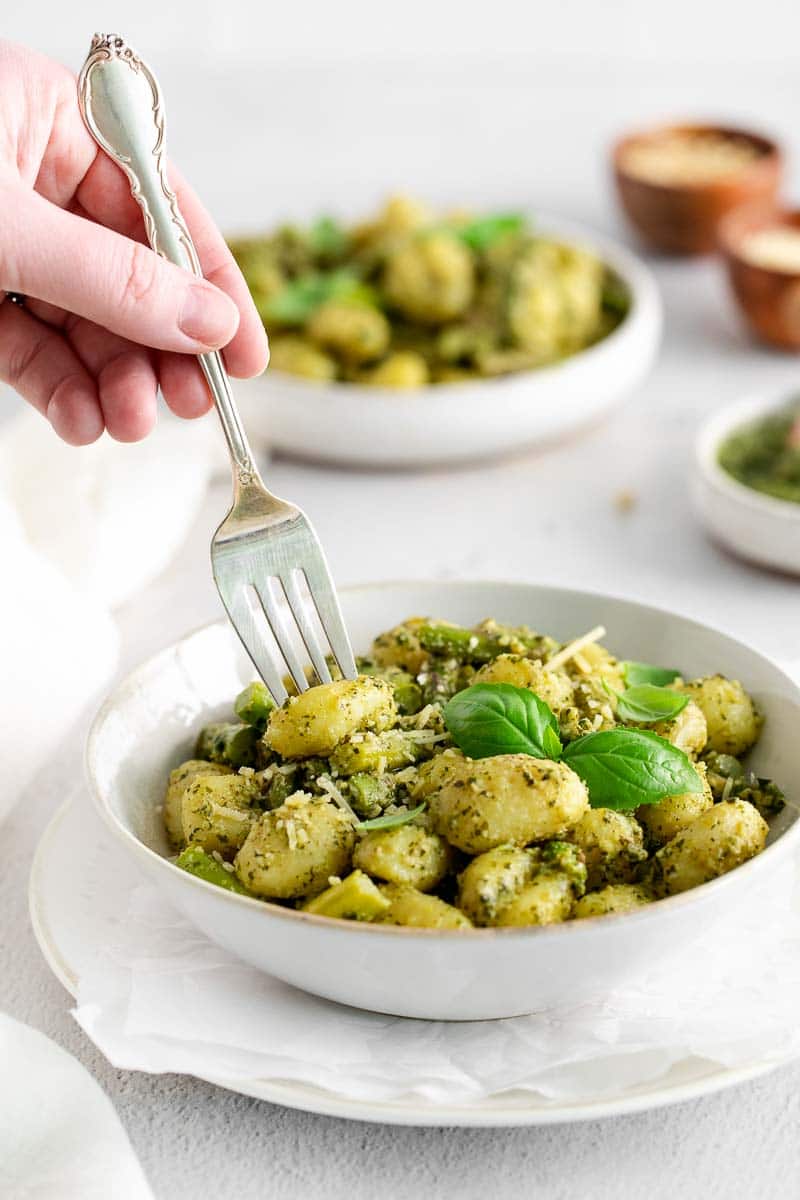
[243,621]
[281,634]
[323,593]
[299,607]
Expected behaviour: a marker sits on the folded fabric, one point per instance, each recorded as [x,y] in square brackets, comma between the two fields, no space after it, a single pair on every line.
[81,530]
[60,1138]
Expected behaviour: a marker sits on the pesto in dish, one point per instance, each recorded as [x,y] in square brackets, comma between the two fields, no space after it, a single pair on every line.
[413,297]
[475,777]
[765,454]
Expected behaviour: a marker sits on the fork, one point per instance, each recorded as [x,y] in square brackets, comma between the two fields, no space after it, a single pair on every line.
[268,564]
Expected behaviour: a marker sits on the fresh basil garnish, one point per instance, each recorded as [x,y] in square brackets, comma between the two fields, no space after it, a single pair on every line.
[645,703]
[623,768]
[481,233]
[298,299]
[498,718]
[393,821]
[635,673]
[327,238]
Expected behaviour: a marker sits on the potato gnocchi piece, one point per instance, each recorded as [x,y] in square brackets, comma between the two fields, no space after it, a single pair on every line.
[432,774]
[405,855]
[616,898]
[721,838]
[176,787]
[688,731]
[317,721]
[217,811]
[594,663]
[295,849]
[358,333]
[508,798]
[734,723]
[411,907]
[665,820]
[430,278]
[550,896]
[612,844]
[492,879]
[554,687]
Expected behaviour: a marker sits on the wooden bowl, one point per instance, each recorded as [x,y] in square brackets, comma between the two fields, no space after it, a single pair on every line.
[769,298]
[683,218]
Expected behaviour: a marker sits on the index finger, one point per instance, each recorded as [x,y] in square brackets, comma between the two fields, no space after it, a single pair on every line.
[105,196]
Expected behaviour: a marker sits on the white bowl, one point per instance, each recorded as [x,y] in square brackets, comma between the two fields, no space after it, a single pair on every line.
[459,422]
[147,726]
[758,527]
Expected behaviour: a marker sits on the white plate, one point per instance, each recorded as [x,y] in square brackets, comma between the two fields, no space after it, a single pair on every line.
[459,422]
[760,528]
[76,850]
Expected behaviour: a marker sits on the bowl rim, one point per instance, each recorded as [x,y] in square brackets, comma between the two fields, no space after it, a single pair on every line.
[645,307]
[713,432]
[604,924]
[770,158]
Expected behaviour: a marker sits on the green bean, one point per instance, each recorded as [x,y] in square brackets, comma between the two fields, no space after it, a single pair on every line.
[195,860]
[253,705]
[370,794]
[463,645]
[235,745]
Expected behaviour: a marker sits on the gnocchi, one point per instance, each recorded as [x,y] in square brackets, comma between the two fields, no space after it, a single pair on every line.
[353,801]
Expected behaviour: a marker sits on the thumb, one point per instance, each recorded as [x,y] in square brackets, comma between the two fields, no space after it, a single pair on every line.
[118,283]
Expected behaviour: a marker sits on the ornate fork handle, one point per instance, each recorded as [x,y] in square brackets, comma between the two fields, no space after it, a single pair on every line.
[120,101]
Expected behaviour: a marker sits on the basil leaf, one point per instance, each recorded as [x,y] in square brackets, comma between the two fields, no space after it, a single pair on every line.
[636,672]
[647,703]
[393,821]
[498,718]
[483,232]
[299,298]
[327,238]
[623,768]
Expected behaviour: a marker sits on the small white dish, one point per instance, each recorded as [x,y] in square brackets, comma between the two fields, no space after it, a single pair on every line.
[81,882]
[462,422]
[147,726]
[757,527]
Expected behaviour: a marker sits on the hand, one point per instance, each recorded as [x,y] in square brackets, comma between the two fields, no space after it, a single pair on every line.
[105,320]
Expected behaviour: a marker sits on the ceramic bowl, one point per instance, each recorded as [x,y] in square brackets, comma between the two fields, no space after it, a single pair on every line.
[768,299]
[758,527]
[684,218]
[462,422]
[147,726]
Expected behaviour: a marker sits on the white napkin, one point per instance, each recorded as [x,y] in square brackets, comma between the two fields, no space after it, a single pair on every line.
[165,998]
[59,1136]
[81,530]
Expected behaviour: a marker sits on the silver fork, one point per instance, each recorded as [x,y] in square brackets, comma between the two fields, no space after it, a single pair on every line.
[268,564]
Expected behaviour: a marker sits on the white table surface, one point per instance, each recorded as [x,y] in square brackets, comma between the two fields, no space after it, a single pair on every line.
[551,518]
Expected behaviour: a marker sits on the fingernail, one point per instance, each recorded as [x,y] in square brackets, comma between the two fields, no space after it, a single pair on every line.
[208,316]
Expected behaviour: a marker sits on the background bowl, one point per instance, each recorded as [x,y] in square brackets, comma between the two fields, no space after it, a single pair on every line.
[147,726]
[768,298]
[684,218]
[460,422]
[759,527]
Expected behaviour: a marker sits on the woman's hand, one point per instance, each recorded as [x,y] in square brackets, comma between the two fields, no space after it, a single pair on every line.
[105,320]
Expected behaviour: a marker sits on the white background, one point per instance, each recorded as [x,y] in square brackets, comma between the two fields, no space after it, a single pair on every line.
[284,110]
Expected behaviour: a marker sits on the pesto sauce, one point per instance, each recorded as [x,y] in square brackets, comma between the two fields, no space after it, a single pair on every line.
[765,454]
